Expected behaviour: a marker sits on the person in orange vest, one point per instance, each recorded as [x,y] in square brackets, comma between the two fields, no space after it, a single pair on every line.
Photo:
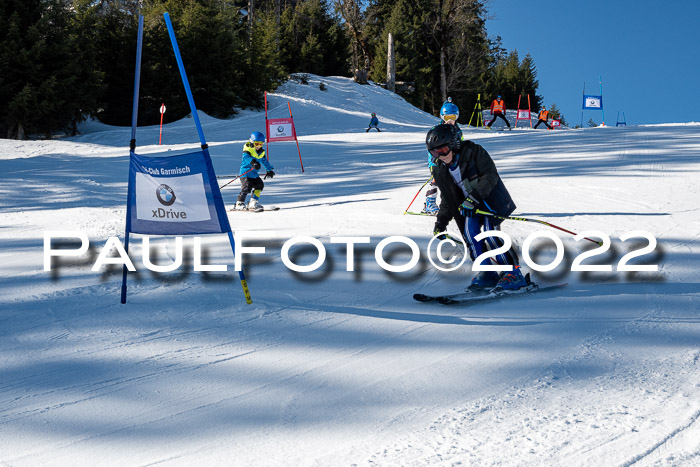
[542,117]
[498,109]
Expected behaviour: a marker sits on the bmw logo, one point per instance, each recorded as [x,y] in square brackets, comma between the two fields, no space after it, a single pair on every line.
[280,129]
[165,195]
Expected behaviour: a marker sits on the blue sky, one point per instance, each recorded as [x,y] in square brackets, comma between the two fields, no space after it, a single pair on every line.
[647,52]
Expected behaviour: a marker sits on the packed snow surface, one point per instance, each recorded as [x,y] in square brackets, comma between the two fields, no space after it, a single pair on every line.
[338,367]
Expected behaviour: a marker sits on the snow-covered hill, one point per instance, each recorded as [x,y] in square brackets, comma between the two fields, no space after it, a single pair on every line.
[337,367]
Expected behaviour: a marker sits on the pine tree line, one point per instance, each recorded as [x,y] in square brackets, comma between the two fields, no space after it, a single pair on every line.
[62,61]
[442,50]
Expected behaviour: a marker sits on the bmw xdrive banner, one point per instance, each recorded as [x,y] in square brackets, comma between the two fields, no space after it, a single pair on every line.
[592,102]
[172,195]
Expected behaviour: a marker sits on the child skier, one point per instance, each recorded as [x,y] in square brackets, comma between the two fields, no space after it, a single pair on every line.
[449,113]
[468,180]
[253,156]
[373,123]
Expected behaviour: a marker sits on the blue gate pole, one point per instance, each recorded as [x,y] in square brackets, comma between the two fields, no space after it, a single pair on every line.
[602,109]
[185,82]
[132,148]
[195,116]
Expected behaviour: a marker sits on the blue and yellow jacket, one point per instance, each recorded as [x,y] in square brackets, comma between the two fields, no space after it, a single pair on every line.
[249,154]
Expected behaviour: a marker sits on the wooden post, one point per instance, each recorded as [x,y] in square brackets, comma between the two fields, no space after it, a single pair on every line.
[390,66]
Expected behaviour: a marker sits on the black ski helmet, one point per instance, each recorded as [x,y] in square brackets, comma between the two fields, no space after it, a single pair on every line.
[443,134]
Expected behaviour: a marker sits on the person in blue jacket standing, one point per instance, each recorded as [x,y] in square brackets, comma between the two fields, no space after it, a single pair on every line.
[449,113]
[373,123]
[253,156]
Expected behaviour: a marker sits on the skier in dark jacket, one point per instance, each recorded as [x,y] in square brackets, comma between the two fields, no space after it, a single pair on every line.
[468,181]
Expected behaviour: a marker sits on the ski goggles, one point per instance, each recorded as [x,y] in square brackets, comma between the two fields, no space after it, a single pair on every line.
[258,144]
[440,151]
[449,117]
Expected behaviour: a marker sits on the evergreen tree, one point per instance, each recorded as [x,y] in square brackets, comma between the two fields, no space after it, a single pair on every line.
[227,68]
[441,47]
[556,113]
[513,79]
[527,82]
[265,59]
[467,56]
[312,40]
[116,33]
[354,21]
[39,68]
[404,19]
[89,77]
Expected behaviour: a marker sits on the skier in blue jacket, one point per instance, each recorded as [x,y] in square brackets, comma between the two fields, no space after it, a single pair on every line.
[373,123]
[253,156]
[449,113]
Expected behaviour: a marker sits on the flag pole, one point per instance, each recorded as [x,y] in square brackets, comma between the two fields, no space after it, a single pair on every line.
[602,109]
[583,96]
[267,131]
[132,147]
[216,192]
[295,136]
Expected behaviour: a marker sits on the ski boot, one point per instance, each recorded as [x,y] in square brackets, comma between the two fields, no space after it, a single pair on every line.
[431,206]
[240,206]
[483,282]
[255,206]
[510,281]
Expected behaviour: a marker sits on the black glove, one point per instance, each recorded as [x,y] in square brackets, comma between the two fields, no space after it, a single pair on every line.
[439,229]
[469,206]
[269,174]
[255,164]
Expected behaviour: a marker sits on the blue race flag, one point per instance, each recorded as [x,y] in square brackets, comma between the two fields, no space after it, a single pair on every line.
[592,102]
[175,195]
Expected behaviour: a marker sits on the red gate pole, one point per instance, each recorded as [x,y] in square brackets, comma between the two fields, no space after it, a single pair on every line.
[267,132]
[295,136]
[162,112]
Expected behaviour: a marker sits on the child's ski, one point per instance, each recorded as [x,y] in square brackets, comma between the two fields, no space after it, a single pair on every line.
[266,208]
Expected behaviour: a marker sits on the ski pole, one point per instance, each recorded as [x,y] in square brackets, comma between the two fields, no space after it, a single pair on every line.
[239,176]
[414,198]
[486,213]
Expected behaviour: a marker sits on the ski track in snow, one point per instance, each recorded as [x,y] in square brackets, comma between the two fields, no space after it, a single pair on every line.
[561,416]
[344,368]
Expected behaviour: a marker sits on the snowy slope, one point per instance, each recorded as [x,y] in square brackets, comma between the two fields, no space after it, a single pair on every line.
[337,367]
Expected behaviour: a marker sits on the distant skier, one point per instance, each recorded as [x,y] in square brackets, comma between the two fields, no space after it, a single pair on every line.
[253,156]
[449,113]
[542,117]
[468,180]
[498,109]
[373,123]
